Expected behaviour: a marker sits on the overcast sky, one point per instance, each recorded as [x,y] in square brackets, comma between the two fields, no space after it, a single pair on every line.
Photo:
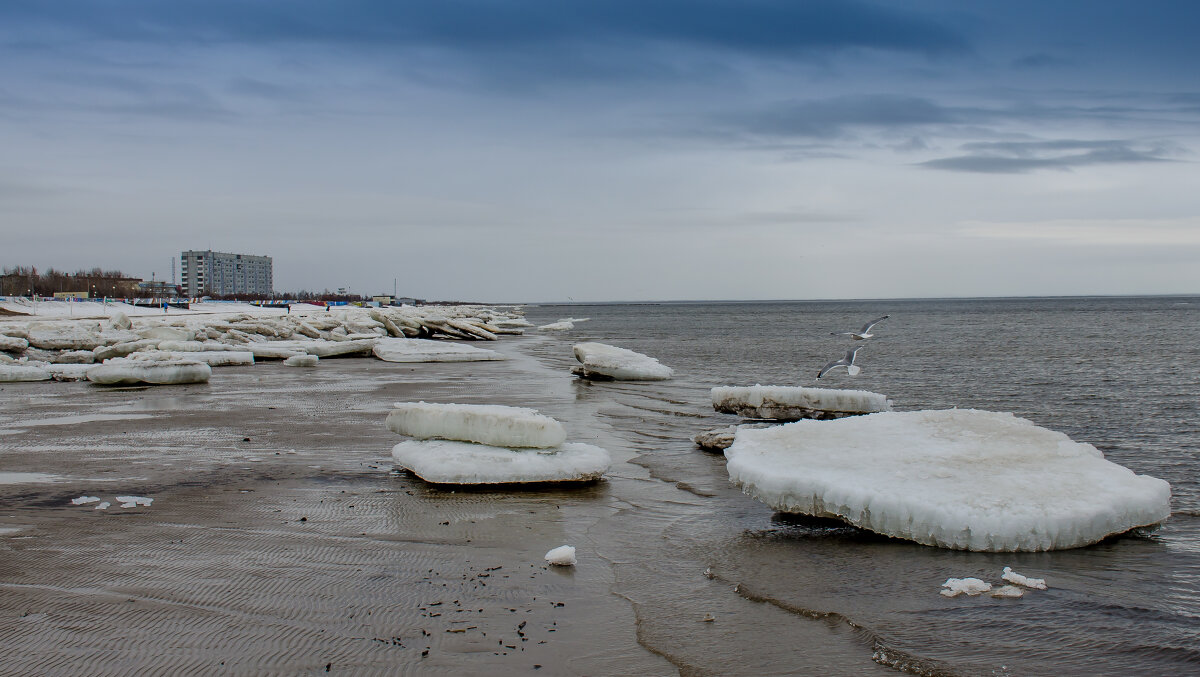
[542,150]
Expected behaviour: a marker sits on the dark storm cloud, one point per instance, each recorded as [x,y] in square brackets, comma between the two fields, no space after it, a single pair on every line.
[1066,154]
[762,27]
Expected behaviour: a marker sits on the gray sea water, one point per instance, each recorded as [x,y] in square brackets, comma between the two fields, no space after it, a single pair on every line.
[1120,373]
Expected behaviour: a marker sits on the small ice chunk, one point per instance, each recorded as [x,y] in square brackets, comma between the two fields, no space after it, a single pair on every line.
[563,556]
[1017,579]
[486,424]
[301,361]
[1008,591]
[561,325]
[954,587]
[104,505]
[622,364]
[134,501]
[84,500]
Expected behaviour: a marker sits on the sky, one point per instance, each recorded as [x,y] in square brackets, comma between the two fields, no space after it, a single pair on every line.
[609,150]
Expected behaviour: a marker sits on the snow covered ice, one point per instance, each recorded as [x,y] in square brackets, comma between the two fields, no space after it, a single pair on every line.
[1017,579]
[120,371]
[483,423]
[22,372]
[957,478]
[451,462]
[790,403]
[563,556]
[599,360]
[425,350]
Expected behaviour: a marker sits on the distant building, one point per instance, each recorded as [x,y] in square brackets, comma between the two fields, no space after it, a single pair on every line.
[157,288]
[209,272]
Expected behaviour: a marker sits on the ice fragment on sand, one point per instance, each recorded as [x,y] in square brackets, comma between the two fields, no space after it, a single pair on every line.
[959,478]
[449,462]
[602,360]
[954,587]
[84,500]
[119,371]
[302,361]
[134,501]
[19,372]
[563,556]
[486,424]
[104,505]
[1017,579]
[424,350]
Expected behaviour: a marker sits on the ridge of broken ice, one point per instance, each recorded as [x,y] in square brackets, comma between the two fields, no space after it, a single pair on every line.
[454,462]
[792,403]
[621,364]
[958,478]
[482,423]
[425,350]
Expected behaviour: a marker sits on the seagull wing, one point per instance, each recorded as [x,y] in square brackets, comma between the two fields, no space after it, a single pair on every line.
[831,365]
[867,327]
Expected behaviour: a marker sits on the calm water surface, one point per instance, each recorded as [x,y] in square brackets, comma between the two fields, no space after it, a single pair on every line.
[1120,373]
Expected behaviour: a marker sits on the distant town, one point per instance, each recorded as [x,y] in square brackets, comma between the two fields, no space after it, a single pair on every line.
[205,274]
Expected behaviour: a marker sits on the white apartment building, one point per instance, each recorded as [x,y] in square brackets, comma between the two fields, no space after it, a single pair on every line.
[209,272]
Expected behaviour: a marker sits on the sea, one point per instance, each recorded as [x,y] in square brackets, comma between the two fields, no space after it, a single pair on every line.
[1121,373]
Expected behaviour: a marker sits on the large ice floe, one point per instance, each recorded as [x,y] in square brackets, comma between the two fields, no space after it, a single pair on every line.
[790,403]
[425,350]
[22,372]
[125,371]
[958,478]
[602,361]
[489,444]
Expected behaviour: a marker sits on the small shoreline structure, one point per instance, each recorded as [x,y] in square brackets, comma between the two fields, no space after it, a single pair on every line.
[474,444]
[775,405]
[162,349]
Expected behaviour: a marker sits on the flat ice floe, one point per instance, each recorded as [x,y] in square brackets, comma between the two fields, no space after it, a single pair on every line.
[450,462]
[122,371]
[425,350]
[302,361]
[790,403]
[483,423]
[600,360]
[957,478]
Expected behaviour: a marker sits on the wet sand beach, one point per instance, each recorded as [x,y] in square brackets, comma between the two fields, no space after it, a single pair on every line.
[281,541]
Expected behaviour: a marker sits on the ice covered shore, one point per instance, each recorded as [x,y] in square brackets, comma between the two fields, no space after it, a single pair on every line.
[962,479]
[30,345]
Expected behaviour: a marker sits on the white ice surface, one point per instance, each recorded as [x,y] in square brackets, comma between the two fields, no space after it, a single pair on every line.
[302,361]
[134,501]
[13,343]
[483,423]
[957,478]
[1017,579]
[768,401]
[954,587]
[621,364]
[449,462]
[557,326]
[124,371]
[84,500]
[1009,591]
[563,556]
[424,350]
[22,372]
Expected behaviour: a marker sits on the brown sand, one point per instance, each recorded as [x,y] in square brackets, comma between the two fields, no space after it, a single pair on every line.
[280,541]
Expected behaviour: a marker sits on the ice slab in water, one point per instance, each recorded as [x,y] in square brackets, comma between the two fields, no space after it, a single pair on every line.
[958,478]
[450,462]
[483,423]
[621,364]
[790,403]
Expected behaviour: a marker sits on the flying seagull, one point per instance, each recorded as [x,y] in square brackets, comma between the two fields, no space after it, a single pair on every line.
[861,333]
[847,362]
